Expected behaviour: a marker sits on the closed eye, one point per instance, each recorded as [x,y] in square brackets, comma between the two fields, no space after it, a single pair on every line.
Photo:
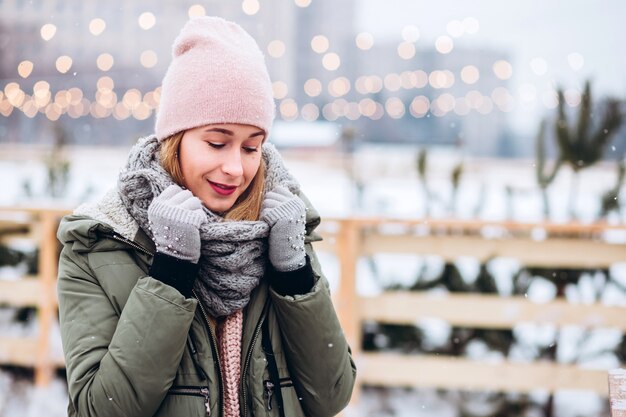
[250,149]
[216,145]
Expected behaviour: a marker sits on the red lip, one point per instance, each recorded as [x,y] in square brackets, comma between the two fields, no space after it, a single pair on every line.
[222,189]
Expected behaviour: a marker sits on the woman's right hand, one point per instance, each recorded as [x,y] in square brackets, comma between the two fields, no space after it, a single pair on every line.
[175,217]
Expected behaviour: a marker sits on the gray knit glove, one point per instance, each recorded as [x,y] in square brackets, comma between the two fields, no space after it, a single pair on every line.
[175,217]
[285,213]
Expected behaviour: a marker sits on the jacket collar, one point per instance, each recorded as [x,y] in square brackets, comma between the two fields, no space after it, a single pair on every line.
[111,211]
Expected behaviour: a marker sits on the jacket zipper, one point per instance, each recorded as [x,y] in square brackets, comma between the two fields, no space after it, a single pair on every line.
[195,392]
[257,330]
[212,339]
[131,243]
[269,390]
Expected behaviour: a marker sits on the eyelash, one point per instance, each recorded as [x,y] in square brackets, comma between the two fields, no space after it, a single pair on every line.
[221,145]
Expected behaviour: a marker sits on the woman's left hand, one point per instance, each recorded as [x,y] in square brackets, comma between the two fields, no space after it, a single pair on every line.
[286,215]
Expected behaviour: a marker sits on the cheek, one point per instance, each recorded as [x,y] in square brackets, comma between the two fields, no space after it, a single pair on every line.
[251,168]
[193,161]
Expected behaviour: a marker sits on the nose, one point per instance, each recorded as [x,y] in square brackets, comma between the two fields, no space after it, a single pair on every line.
[232,165]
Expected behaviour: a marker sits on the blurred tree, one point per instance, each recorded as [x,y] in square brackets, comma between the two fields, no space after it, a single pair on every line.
[580,147]
[57,164]
[455,179]
[610,199]
[421,163]
[544,179]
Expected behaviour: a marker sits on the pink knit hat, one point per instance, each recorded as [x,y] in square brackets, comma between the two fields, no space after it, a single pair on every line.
[217,75]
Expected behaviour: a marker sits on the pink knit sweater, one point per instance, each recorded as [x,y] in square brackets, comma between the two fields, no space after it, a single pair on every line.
[229,337]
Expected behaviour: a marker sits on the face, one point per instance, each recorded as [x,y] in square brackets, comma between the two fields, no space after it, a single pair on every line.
[219,161]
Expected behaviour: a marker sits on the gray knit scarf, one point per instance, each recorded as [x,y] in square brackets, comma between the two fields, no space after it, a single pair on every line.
[233,253]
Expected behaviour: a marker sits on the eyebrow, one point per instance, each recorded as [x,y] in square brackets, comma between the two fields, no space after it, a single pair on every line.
[231,133]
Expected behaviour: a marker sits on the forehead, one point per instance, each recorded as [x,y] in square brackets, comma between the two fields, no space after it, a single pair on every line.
[235,128]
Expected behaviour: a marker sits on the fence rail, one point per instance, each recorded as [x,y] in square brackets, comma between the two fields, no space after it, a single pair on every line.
[545,245]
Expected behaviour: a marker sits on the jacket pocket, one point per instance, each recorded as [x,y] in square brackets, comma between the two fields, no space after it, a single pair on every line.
[187,401]
[290,401]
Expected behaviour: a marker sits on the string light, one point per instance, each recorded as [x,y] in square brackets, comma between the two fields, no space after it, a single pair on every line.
[121,112]
[250,7]
[310,112]
[141,111]
[364,41]
[367,107]
[151,100]
[289,109]
[339,87]
[48,31]
[105,62]
[393,82]
[146,21]
[572,97]
[313,87]
[320,44]
[503,69]
[196,10]
[25,68]
[444,44]
[280,90]
[131,103]
[329,113]
[395,108]
[446,102]
[105,83]
[53,112]
[63,64]
[331,61]
[470,74]
[276,48]
[148,59]
[406,50]
[97,26]
[132,98]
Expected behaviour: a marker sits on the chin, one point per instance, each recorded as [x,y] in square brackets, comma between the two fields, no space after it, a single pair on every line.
[220,208]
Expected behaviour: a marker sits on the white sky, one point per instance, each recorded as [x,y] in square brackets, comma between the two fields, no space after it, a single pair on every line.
[525,29]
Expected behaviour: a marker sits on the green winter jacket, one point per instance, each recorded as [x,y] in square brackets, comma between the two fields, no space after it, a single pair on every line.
[136,347]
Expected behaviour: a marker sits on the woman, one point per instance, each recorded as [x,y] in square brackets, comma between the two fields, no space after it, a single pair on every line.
[192,288]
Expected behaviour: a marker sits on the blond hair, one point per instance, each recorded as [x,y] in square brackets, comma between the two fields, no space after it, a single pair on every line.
[247,206]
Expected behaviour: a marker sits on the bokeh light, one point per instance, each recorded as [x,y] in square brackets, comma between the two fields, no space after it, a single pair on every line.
[364,41]
[147,20]
[97,26]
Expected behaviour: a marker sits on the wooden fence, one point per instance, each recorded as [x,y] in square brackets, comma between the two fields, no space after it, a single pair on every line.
[533,245]
[546,245]
[40,226]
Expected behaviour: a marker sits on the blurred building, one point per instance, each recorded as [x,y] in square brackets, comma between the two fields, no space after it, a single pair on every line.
[96,69]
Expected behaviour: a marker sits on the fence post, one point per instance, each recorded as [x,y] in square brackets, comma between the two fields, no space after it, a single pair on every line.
[348,253]
[617,392]
[47,274]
